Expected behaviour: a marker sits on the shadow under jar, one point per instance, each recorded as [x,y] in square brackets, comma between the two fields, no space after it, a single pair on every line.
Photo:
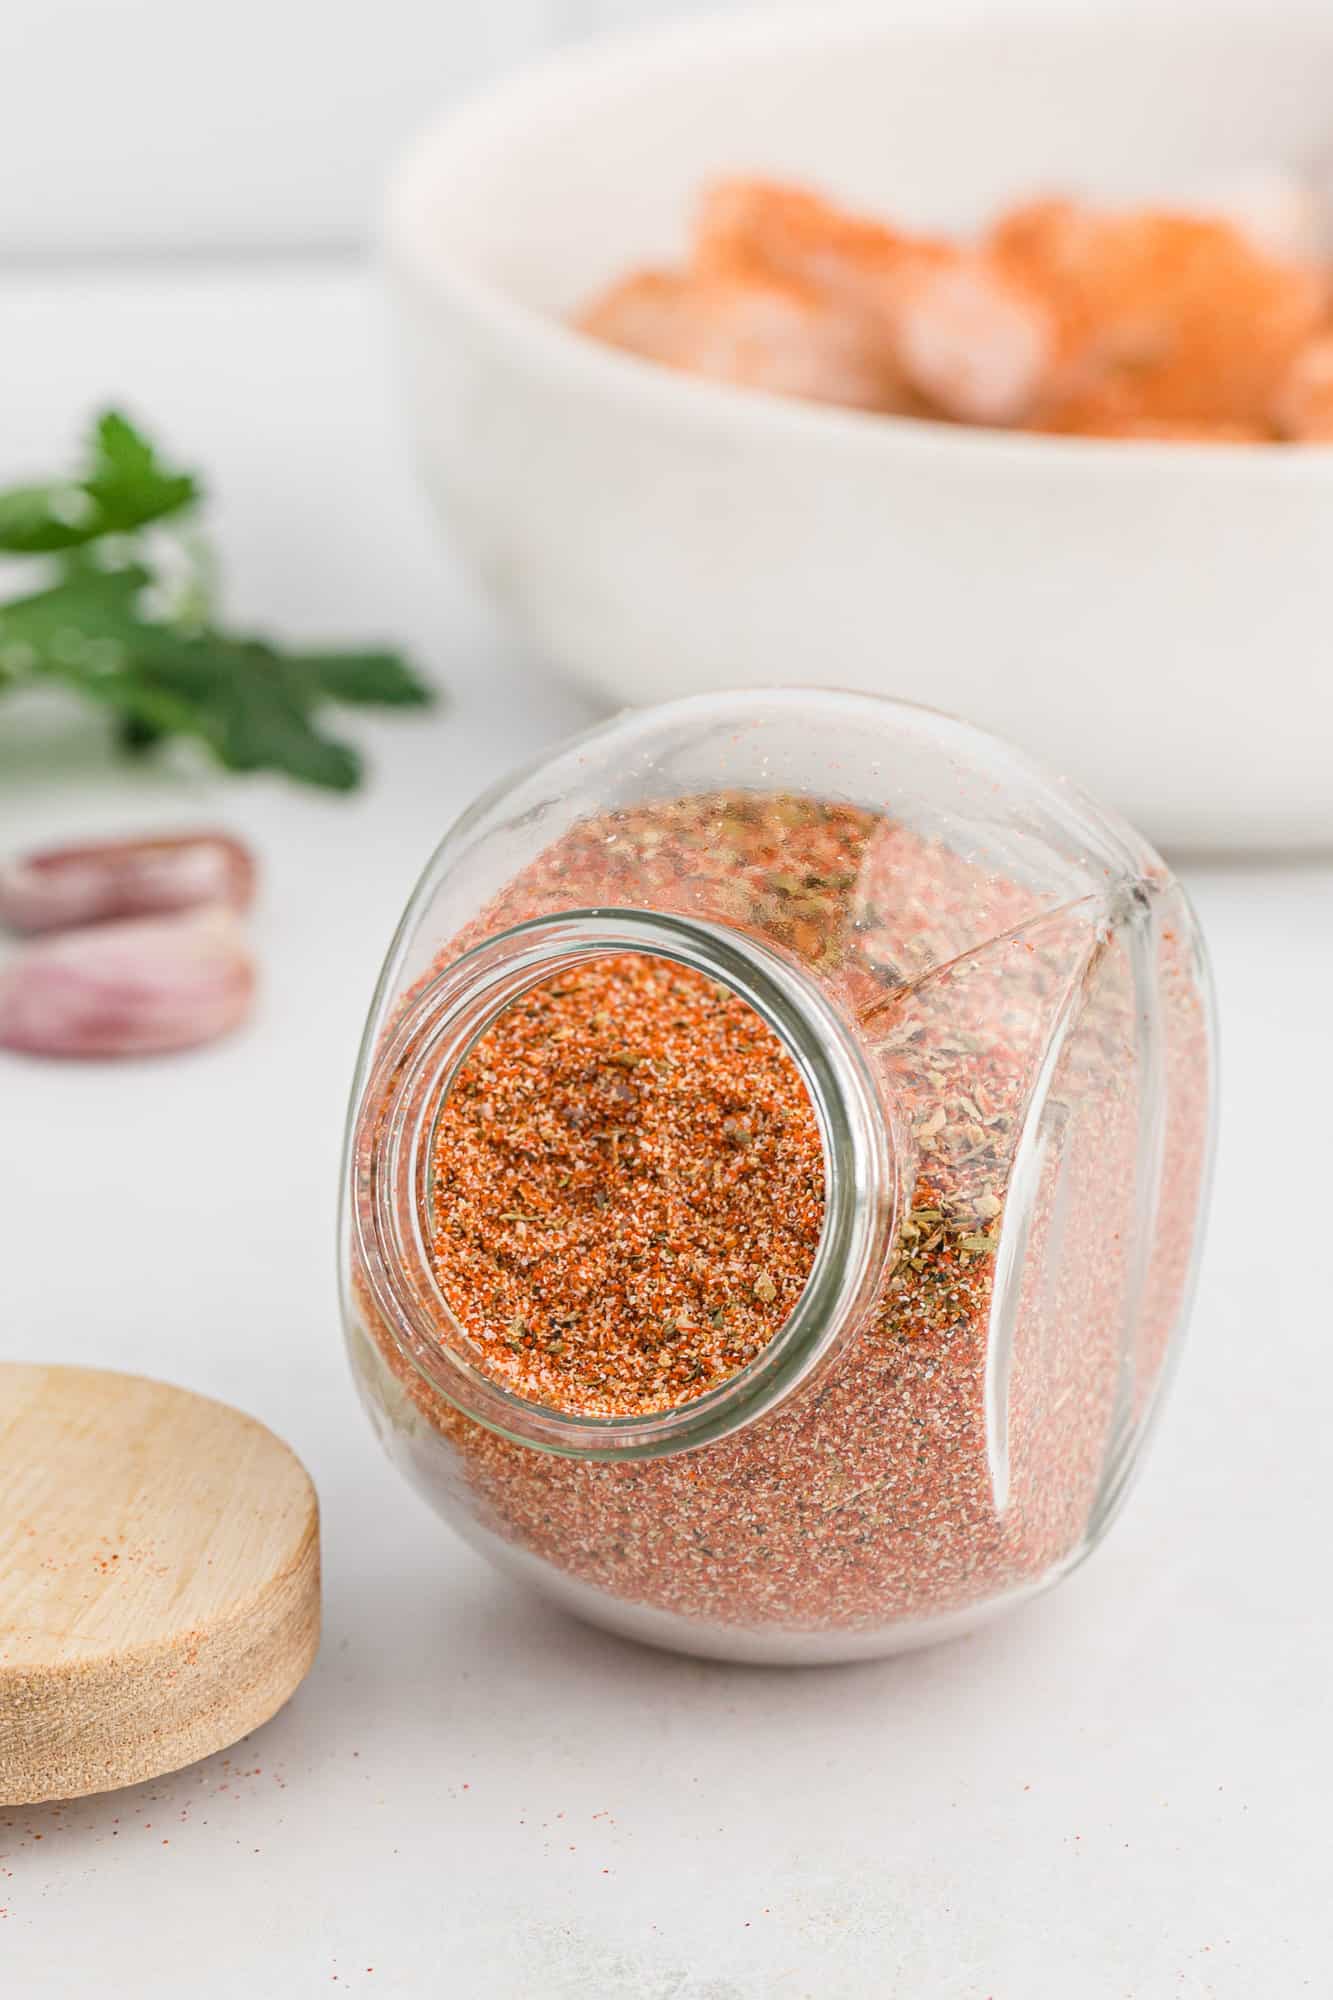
[775,1174]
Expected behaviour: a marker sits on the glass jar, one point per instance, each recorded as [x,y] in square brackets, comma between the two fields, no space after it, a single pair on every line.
[994,997]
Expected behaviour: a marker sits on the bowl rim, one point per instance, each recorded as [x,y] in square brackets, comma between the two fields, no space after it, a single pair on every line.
[449,147]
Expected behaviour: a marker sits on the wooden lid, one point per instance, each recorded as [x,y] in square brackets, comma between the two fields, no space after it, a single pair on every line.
[159,1579]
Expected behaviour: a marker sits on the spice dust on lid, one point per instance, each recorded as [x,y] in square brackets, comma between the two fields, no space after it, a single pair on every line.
[159,1579]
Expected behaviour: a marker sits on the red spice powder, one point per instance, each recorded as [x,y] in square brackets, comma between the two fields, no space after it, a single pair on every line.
[929,1462]
[628,1189]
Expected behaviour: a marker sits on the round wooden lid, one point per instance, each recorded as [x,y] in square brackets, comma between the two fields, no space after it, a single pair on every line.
[159,1579]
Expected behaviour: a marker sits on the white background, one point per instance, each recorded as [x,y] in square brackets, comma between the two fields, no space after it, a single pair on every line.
[190,126]
[1119,1794]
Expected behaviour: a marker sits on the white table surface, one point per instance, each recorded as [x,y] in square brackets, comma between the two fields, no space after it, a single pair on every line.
[1119,1794]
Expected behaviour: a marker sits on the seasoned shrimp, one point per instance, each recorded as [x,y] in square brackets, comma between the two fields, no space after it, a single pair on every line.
[966,338]
[1093,419]
[1282,214]
[798,235]
[1208,323]
[973,341]
[757,331]
[1303,405]
[1174,316]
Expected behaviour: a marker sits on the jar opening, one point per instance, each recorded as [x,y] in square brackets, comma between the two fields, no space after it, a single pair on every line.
[627,1188]
[499,1322]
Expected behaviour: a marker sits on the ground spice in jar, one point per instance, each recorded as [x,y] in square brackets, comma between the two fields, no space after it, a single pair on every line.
[880,1491]
[628,1189]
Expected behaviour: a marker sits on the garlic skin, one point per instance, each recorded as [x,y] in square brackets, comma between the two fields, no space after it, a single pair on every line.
[129,989]
[59,887]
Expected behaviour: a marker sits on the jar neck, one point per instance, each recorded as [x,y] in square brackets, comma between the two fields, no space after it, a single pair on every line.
[416,1067]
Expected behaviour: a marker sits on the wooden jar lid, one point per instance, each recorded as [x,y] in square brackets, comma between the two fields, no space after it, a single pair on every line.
[159,1579]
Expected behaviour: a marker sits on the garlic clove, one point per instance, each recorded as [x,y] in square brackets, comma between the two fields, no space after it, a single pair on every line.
[62,886]
[129,989]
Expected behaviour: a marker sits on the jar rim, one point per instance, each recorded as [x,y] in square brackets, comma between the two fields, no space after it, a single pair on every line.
[389,1148]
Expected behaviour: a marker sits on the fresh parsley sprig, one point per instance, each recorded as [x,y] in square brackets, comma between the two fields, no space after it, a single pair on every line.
[126,621]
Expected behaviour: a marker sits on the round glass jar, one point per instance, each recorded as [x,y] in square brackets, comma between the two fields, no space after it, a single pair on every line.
[994,999]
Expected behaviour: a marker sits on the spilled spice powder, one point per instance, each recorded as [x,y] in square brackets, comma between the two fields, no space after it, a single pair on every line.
[908,1476]
[628,1188]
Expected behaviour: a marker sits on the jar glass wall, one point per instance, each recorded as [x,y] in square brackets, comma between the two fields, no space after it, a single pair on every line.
[994,997]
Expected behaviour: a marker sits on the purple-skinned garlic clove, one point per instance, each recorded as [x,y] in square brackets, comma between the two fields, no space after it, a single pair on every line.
[59,887]
[128,989]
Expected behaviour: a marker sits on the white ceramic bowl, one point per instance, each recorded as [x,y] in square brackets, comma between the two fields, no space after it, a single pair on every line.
[1152,618]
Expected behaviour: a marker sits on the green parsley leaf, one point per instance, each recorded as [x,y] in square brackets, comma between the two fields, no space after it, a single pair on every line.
[94,630]
[128,483]
[37,519]
[124,488]
[381,679]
